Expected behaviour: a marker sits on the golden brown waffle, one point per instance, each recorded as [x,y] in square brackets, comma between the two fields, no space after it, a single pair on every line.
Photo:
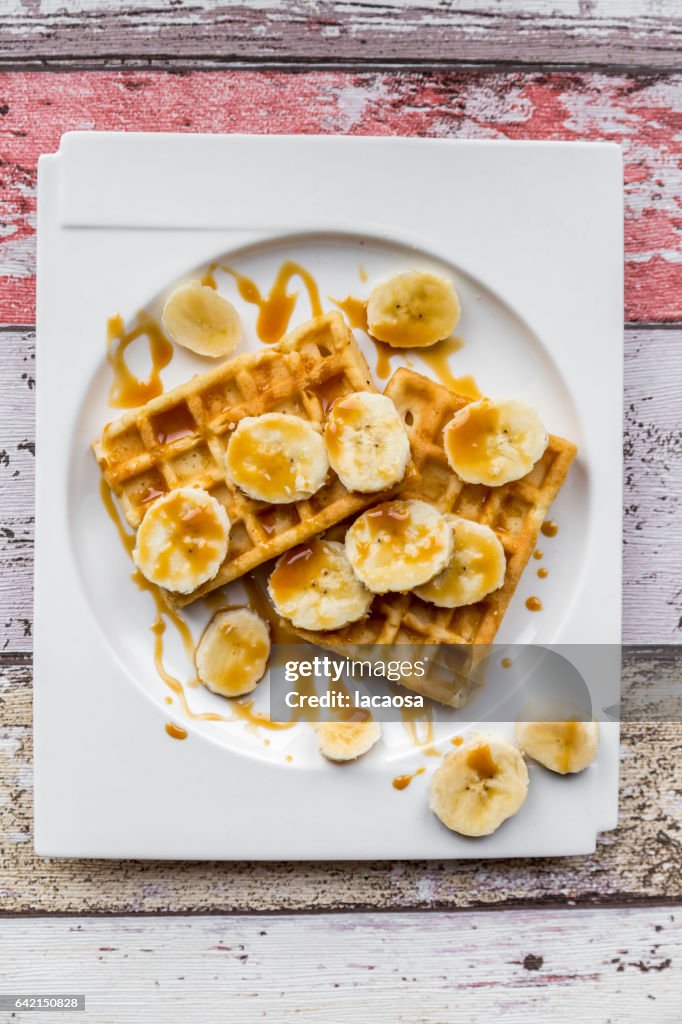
[514,511]
[179,439]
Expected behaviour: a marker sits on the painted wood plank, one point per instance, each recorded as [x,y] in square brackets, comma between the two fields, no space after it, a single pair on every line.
[642,113]
[640,860]
[652,496]
[652,536]
[519,966]
[17,452]
[534,31]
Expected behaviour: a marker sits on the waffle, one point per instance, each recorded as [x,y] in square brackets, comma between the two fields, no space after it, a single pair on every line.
[514,511]
[179,439]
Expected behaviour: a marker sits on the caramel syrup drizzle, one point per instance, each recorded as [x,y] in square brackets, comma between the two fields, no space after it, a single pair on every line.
[384,352]
[274,314]
[276,308]
[158,628]
[127,390]
[176,732]
[354,309]
[279,634]
[128,541]
[403,781]
[242,710]
[436,357]
[259,603]
[480,760]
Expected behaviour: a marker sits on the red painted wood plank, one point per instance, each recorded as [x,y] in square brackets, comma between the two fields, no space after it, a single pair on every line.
[643,114]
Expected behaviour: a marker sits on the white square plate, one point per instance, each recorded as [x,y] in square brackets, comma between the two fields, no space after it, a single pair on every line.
[531,233]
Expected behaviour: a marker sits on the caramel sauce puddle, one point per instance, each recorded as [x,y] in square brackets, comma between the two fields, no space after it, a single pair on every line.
[403,781]
[176,732]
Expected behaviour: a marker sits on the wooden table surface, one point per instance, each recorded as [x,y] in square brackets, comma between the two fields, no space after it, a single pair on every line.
[271,941]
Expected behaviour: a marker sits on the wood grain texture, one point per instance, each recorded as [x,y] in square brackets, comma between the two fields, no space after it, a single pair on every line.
[517,966]
[652,500]
[533,31]
[640,860]
[17,455]
[643,113]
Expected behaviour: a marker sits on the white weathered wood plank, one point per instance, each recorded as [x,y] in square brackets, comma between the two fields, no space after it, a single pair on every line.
[652,498]
[519,966]
[531,31]
[17,451]
[652,571]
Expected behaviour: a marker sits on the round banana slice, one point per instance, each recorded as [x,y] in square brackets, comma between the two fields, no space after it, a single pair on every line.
[233,652]
[182,540]
[277,458]
[366,442]
[476,568]
[413,310]
[344,741]
[478,786]
[399,545]
[563,742]
[494,442]
[200,319]
[314,587]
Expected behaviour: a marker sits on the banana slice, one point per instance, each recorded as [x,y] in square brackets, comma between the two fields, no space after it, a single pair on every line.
[478,786]
[494,442]
[413,310]
[366,442]
[563,742]
[233,652]
[277,458]
[344,741]
[200,319]
[182,540]
[314,587]
[476,568]
[399,545]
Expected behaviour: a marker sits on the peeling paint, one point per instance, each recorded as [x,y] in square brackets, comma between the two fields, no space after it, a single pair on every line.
[641,113]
